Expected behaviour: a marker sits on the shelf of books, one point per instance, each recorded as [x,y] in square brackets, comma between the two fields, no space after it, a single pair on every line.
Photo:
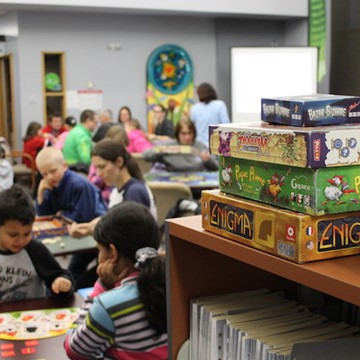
[201,263]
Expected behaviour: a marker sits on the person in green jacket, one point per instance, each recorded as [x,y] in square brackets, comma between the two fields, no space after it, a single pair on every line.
[78,144]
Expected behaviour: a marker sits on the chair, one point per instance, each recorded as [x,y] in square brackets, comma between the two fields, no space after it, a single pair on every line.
[21,170]
[144,165]
[166,195]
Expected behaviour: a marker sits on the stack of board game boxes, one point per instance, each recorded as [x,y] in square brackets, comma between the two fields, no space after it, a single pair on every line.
[290,185]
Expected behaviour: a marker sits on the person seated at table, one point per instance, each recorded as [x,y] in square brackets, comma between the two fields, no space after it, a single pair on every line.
[6,171]
[163,127]
[194,157]
[55,126]
[64,191]
[106,122]
[34,141]
[138,141]
[125,316]
[69,124]
[118,133]
[78,144]
[28,269]
[119,169]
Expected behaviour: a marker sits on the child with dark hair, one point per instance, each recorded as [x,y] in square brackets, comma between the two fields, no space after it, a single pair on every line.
[34,141]
[125,316]
[28,269]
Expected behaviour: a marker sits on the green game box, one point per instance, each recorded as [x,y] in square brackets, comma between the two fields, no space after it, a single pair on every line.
[309,191]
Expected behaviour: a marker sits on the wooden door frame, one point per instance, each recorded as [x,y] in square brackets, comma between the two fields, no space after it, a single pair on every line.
[13,139]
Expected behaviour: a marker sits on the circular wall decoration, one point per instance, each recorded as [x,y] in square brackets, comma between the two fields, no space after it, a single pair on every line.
[52,81]
[170,69]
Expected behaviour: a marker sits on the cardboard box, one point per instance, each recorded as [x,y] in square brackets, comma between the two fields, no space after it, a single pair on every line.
[311,110]
[297,237]
[50,226]
[310,191]
[315,147]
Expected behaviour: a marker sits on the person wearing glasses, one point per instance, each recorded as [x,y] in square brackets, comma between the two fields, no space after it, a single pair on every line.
[184,153]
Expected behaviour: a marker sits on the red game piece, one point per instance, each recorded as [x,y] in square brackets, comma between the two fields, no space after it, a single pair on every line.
[28,350]
[8,353]
[7,346]
[31,342]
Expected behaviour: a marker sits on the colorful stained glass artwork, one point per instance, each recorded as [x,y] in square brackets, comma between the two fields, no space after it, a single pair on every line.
[169,82]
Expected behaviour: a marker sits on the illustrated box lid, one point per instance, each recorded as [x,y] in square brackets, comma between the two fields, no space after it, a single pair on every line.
[312,147]
[311,110]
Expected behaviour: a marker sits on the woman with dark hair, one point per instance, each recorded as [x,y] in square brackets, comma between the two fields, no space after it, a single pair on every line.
[125,316]
[124,115]
[208,111]
[117,168]
[184,153]
[34,141]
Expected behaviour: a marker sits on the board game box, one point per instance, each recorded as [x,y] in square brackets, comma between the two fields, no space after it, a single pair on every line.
[290,235]
[315,147]
[310,191]
[50,226]
[311,110]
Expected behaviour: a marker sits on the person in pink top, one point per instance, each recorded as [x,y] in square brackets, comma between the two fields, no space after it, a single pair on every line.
[138,141]
[125,316]
[70,123]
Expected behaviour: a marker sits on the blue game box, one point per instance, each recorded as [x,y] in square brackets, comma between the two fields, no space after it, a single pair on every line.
[311,110]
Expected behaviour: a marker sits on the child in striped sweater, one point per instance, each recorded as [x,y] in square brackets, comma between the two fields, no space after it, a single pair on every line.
[125,316]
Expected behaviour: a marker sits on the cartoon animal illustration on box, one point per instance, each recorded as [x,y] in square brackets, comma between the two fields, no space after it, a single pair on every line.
[274,185]
[224,143]
[337,188]
[226,176]
[290,148]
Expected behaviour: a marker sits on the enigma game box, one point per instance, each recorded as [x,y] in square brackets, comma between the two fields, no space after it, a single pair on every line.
[315,147]
[310,191]
[297,237]
[311,110]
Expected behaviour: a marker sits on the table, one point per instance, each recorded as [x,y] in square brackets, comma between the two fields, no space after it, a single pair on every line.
[69,245]
[197,180]
[46,349]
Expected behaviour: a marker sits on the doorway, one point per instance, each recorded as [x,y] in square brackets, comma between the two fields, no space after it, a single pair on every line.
[7,113]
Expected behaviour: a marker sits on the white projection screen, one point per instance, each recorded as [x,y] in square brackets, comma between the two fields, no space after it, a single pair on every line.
[258,72]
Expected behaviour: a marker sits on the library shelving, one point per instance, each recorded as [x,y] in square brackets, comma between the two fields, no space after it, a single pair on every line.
[200,263]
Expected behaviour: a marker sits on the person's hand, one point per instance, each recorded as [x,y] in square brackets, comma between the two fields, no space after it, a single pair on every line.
[108,274]
[79,230]
[61,284]
[205,155]
[43,185]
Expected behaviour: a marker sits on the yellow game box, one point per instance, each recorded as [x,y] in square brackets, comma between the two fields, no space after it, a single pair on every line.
[294,236]
[311,147]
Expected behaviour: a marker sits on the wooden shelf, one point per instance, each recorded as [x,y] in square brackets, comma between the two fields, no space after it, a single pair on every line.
[201,263]
[54,100]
